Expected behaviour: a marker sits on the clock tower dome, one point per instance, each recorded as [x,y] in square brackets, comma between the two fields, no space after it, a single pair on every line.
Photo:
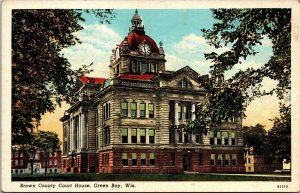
[137,53]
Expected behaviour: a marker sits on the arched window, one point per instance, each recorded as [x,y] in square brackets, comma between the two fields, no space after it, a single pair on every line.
[185,84]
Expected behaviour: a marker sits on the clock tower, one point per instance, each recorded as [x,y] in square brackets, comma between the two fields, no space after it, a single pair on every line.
[137,53]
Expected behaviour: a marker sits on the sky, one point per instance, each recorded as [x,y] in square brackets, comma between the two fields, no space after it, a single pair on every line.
[180,33]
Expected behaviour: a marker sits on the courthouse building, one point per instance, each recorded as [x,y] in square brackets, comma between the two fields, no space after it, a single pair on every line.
[123,124]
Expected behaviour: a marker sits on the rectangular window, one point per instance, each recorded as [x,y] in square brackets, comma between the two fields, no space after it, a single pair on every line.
[211,138]
[198,138]
[179,113]
[103,111]
[124,159]
[234,159]
[55,162]
[200,158]
[249,160]
[124,135]
[233,138]
[142,110]
[50,163]
[212,159]
[227,159]
[16,163]
[133,159]
[151,136]
[219,159]
[219,138]
[21,162]
[108,113]
[152,159]
[142,135]
[172,159]
[143,159]
[124,111]
[151,110]
[133,109]
[21,154]
[226,138]
[133,136]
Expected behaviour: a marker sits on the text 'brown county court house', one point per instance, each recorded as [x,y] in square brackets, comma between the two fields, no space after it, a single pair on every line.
[123,124]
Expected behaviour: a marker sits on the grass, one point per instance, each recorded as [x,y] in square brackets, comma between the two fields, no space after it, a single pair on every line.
[147,177]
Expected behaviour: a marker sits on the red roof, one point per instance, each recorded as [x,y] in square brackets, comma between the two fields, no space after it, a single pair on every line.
[144,77]
[85,79]
[134,39]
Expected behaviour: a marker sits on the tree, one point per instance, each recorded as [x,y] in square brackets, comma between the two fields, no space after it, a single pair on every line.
[242,30]
[47,142]
[41,76]
[255,136]
[279,137]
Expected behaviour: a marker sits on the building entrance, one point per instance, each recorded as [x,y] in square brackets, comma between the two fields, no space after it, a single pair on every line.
[186,162]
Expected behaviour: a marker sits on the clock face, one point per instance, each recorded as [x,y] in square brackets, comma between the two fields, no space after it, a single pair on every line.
[144,49]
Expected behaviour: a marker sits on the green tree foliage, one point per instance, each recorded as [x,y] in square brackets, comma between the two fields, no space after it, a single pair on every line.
[41,76]
[255,136]
[242,30]
[47,142]
[279,137]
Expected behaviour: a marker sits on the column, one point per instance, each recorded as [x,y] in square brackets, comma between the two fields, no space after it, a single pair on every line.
[71,134]
[193,117]
[83,132]
[147,135]
[79,132]
[176,121]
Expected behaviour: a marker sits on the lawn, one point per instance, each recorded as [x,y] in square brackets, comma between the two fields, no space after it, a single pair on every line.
[149,177]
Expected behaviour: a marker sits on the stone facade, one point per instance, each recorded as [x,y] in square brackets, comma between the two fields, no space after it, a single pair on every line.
[123,124]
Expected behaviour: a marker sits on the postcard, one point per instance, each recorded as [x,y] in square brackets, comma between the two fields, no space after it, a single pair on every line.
[150,96]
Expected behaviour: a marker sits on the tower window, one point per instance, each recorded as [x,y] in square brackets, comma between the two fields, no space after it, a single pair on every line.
[144,67]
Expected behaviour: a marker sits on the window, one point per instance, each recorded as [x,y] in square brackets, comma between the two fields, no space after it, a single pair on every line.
[133,159]
[152,159]
[142,135]
[133,136]
[249,160]
[151,136]
[50,163]
[173,159]
[219,138]
[179,113]
[106,135]
[212,159]
[55,154]
[133,109]
[134,66]
[227,159]
[211,139]
[50,170]
[144,67]
[21,154]
[143,159]
[21,162]
[153,67]
[142,110]
[55,162]
[55,170]
[233,138]
[124,111]
[104,111]
[226,141]
[151,110]
[124,135]
[124,159]
[200,158]
[186,137]
[16,163]
[184,84]
[234,159]
[198,138]
[219,159]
